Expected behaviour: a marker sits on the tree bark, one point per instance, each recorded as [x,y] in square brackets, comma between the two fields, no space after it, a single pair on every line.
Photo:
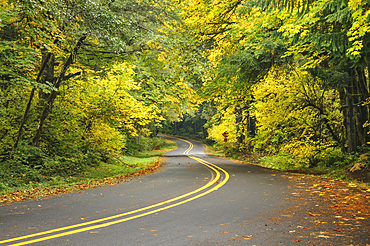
[343,140]
[239,125]
[28,106]
[349,118]
[49,104]
[343,137]
[251,125]
[48,77]
[361,110]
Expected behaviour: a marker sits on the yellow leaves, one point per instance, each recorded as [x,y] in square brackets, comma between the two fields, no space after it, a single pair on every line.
[109,107]
[227,125]
[245,237]
[289,30]
[104,137]
[286,123]
[354,4]
[161,57]
[312,214]
[360,27]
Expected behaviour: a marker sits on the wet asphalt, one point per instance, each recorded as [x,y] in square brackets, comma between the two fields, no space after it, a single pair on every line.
[252,208]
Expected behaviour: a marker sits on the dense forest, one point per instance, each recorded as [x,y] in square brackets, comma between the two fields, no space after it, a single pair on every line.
[86,82]
[284,83]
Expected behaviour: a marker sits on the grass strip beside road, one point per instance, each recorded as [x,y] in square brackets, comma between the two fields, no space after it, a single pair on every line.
[127,168]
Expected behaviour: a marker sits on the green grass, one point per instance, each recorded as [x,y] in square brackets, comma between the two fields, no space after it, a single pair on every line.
[212,151]
[126,165]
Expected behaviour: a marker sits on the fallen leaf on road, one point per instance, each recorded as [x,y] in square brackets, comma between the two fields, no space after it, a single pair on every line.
[323,236]
[305,228]
[246,237]
[314,214]
[225,224]
[296,241]
[337,229]
[18,213]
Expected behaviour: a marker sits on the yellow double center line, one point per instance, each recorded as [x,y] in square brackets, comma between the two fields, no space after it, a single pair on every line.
[116,219]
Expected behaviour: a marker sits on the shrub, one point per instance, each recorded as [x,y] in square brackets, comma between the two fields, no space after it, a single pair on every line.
[157,143]
[283,161]
[62,166]
[106,138]
[135,145]
[332,157]
[27,155]
[23,168]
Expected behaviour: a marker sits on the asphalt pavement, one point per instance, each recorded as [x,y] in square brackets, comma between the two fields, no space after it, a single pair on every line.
[195,199]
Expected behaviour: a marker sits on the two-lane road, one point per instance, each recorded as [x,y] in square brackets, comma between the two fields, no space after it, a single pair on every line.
[195,200]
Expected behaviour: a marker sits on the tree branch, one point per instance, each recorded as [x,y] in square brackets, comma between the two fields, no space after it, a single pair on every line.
[71,76]
[25,115]
[53,94]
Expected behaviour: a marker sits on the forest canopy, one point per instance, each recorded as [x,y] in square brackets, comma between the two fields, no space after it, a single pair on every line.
[288,80]
[84,82]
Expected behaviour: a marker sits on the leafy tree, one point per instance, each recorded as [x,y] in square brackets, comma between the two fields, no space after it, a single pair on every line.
[332,50]
[89,30]
[296,114]
[64,80]
[247,38]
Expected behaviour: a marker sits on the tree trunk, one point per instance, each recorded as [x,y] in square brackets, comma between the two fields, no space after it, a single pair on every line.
[343,137]
[49,104]
[48,77]
[349,118]
[361,110]
[239,125]
[195,126]
[343,140]
[251,125]
[28,106]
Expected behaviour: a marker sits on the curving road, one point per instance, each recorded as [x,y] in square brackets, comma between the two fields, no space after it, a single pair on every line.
[195,200]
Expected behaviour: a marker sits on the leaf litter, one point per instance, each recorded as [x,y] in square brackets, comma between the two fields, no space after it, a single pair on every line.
[325,209]
[318,211]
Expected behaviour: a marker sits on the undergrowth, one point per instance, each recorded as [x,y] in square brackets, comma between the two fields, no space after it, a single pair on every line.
[331,163]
